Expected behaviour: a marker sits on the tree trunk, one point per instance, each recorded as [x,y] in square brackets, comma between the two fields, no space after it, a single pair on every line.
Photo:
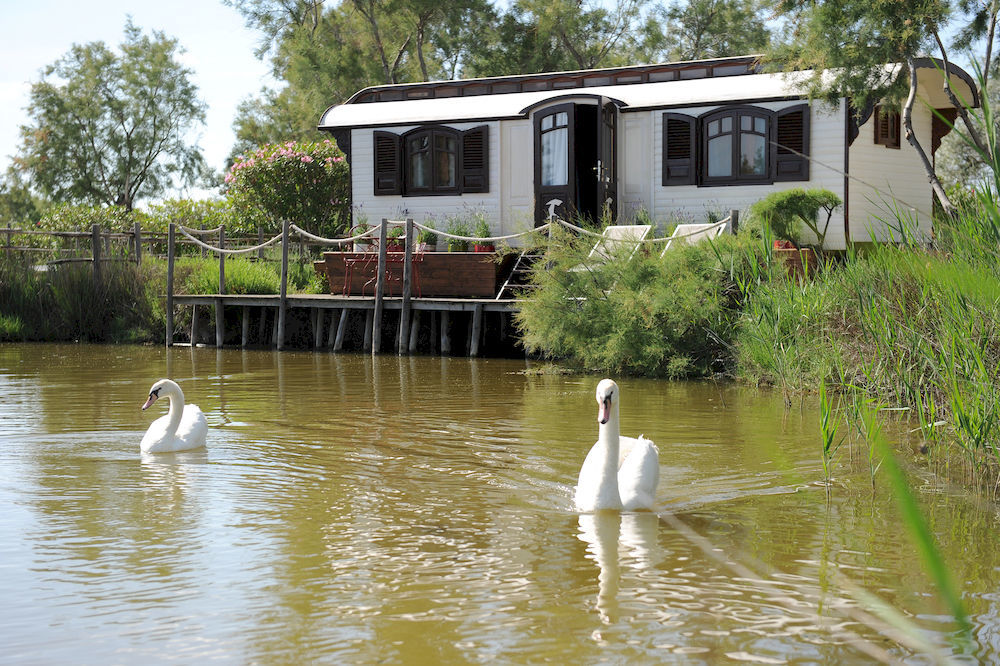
[911,138]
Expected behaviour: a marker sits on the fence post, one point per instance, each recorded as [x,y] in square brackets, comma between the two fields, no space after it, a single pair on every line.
[170,285]
[7,248]
[95,237]
[379,288]
[260,241]
[404,313]
[137,239]
[734,221]
[283,299]
[220,320]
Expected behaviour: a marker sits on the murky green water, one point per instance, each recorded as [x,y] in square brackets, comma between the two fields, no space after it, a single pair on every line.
[419,510]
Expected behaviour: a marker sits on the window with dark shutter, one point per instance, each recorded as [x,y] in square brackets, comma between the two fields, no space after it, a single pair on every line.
[679,150]
[791,161]
[476,159]
[388,163]
[886,127]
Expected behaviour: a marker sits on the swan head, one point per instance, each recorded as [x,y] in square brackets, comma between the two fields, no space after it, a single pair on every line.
[607,396]
[162,388]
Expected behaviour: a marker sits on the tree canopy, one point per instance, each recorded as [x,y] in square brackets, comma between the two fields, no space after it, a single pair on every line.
[326,52]
[110,128]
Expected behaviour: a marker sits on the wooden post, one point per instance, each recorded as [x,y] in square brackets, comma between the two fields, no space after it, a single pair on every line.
[477,330]
[734,221]
[414,331]
[203,249]
[170,285]
[331,330]
[220,315]
[245,339]
[137,239]
[379,288]
[260,241]
[338,344]
[7,246]
[274,327]
[318,316]
[445,337]
[283,300]
[404,313]
[194,325]
[95,237]
[369,317]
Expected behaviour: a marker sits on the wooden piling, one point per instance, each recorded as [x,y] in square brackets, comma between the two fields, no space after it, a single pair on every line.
[170,285]
[220,316]
[477,330]
[194,325]
[338,344]
[414,332]
[331,335]
[369,318]
[404,313]
[379,288]
[245,338]
[445,336]
[283,301]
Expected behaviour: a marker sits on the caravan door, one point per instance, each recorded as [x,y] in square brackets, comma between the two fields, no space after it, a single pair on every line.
[555,159]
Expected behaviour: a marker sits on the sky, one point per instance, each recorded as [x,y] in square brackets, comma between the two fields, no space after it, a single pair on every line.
[219,50]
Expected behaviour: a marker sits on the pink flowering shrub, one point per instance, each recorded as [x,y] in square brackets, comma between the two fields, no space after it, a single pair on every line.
[307,183]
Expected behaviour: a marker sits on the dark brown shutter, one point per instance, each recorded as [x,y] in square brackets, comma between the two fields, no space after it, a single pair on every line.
[679,149]
[791,136]
[886,127]
[388,163]
[476,159]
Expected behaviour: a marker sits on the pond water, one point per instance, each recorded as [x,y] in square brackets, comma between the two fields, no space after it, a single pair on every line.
[419,510]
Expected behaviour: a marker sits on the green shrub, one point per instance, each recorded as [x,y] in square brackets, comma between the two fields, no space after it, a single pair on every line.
[243,276]
[787,211]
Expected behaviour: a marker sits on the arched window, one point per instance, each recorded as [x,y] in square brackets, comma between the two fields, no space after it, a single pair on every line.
[736,146]
[432,160]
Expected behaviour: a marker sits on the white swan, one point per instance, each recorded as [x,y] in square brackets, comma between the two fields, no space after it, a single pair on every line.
[181,429]
[619,473]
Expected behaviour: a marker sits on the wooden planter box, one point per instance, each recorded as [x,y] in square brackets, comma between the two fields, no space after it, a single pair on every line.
[436,274]
[797,263]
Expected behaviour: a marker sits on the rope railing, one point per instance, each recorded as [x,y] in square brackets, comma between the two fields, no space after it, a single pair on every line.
[201,232]
[473,239]
[334,241]
[243,250]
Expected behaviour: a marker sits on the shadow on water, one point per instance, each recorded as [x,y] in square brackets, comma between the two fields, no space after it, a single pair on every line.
[410,509]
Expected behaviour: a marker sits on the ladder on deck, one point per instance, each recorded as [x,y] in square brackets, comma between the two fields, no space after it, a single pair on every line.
[519,273]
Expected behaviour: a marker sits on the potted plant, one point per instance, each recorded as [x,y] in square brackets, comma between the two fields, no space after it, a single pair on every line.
[361,244]
[427,239]
[394,239]
[458,228]
[788,213]
[482,230]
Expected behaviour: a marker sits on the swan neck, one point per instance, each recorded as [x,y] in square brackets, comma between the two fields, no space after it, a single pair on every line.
[176,411]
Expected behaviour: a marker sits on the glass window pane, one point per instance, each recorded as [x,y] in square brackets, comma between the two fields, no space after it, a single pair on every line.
[760,125]
[745,123]
[752,155]
[720,156]
[546,123]
[562,119]
[446,168]
[555,158]
[727,124]
[420,168]
[444,142]
[713,128]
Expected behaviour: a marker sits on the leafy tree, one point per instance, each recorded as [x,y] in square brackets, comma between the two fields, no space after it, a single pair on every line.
[110,128]
[18,205]
[854,40]
[699,29]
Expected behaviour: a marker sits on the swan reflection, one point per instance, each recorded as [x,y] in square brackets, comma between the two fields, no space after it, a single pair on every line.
[613,538]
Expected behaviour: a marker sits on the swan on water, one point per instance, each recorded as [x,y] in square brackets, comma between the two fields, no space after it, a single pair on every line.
[619,473]
[181,429]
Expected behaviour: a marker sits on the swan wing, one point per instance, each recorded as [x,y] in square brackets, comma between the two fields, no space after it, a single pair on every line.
[638,473]
[155,438]
[192,429]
